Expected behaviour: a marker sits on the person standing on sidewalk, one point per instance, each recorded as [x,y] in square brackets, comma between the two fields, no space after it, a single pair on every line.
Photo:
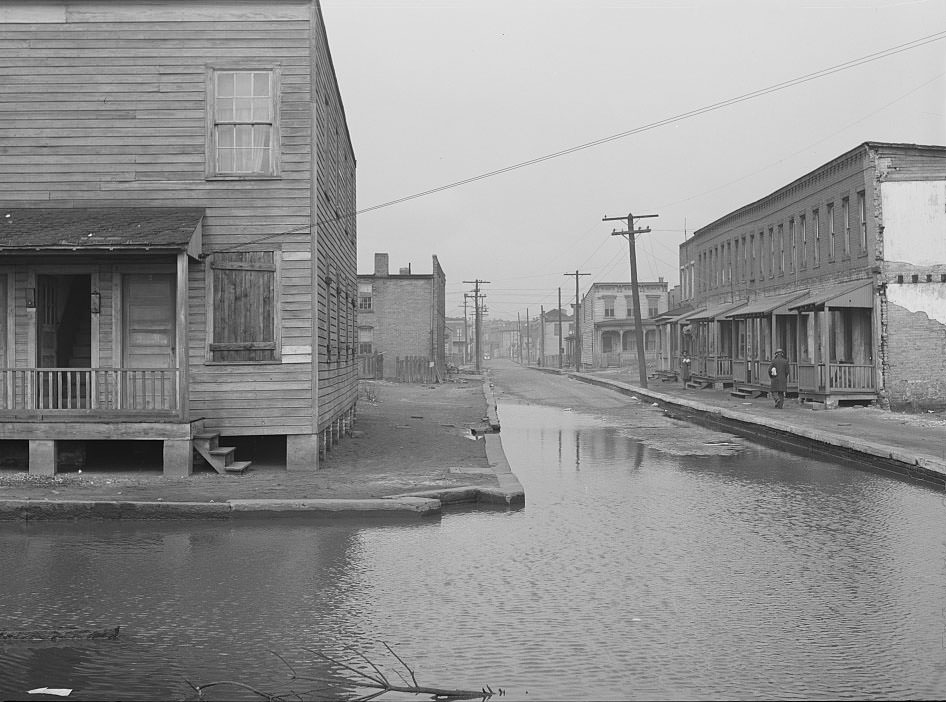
[778,377]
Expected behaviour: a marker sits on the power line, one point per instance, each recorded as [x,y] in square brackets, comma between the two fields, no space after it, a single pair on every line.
[775,87]
[891,51]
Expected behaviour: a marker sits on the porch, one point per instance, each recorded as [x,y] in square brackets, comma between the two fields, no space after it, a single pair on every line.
[115,393]
[44,437]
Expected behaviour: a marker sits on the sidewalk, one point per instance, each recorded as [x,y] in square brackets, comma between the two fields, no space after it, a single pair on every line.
[913,445]
[413,448]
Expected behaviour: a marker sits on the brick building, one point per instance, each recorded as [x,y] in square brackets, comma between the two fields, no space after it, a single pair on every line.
[844,268]
[403,316]
[607,321]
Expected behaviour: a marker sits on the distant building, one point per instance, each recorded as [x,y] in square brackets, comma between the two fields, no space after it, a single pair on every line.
[608,333]
[402,318]
[844,268]
[555,329]
[456,333]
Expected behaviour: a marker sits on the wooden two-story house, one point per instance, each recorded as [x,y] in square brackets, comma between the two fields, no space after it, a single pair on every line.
[177,230]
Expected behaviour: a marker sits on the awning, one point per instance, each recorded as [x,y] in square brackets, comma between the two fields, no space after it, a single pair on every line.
[764,306]
[711,313]
[859,294]
[688,317]
[673,315]
[102,229]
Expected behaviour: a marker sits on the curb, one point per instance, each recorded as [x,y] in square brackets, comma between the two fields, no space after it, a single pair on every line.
[510,489]
[423,504]
[35,510]
[889,458]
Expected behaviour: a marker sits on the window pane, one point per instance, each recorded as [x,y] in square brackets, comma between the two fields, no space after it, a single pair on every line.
[225,148]
[261,85]
[242,109]
[262,110]
[243,85]
[224,84]
[223,108]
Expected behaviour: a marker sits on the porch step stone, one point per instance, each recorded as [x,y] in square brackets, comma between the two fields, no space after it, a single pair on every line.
[238,467]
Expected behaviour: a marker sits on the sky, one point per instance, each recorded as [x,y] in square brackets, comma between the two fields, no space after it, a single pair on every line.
[442,91]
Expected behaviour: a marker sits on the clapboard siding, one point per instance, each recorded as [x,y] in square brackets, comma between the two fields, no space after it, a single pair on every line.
[102,113]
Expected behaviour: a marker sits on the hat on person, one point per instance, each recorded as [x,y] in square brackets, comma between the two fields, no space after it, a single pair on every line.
[779,351]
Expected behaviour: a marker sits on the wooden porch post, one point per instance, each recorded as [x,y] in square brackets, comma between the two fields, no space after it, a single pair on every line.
[180,357]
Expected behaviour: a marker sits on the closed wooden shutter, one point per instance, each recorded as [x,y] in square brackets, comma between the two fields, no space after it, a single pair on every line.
[244,287]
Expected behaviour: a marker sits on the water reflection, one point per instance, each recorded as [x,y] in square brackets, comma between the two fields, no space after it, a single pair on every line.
[634,573]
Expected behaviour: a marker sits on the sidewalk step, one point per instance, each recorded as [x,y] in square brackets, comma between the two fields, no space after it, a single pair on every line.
[238,467]
[224,453]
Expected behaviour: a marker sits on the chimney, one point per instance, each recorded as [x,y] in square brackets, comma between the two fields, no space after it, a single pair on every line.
[381,265]
[405,271]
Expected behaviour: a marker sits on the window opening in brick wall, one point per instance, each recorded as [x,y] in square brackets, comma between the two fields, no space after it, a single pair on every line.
[862,219]
[831,231]
[816,237]
[364,297]
[846,224]
[365,340]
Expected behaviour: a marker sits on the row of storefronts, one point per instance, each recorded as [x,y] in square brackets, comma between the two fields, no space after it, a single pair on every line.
[844,269]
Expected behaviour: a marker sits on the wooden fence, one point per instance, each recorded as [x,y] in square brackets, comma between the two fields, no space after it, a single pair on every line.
[415,369]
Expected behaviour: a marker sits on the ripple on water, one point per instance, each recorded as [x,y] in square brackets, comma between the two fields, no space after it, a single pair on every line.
[632,574]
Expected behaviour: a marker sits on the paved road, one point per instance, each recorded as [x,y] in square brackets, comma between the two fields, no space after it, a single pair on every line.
[640,420]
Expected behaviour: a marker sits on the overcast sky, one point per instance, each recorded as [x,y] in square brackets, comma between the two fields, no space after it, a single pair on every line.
[439,91]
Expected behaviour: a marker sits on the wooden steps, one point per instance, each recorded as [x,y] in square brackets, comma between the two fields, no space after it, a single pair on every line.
[745,393]
[221,458]
[697,384]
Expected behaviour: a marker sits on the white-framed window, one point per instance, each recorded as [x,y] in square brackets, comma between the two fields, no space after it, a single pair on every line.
[653,306]
[243,139]
[609,307]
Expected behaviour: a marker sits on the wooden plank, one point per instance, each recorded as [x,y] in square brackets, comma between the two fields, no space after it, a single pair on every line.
[93,430]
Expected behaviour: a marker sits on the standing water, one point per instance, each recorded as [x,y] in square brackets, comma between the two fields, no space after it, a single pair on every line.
[633,573]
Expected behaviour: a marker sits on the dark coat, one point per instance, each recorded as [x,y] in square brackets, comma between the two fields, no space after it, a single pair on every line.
[778,374]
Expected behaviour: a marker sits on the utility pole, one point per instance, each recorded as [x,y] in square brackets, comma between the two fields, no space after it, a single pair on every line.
[577,323]
[632,253]
[561,339]
[466,333]
[542,335]
[519,335]
[476,309]
[528,338]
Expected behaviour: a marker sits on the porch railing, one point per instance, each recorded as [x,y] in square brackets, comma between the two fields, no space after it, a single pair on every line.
[90,390]
[844,377]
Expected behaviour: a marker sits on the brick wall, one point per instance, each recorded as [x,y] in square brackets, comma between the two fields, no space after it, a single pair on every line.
[916,360]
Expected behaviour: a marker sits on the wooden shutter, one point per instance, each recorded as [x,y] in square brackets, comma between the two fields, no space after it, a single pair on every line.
[244,292]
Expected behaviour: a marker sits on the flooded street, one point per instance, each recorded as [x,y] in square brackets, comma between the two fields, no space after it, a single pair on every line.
[654,559]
